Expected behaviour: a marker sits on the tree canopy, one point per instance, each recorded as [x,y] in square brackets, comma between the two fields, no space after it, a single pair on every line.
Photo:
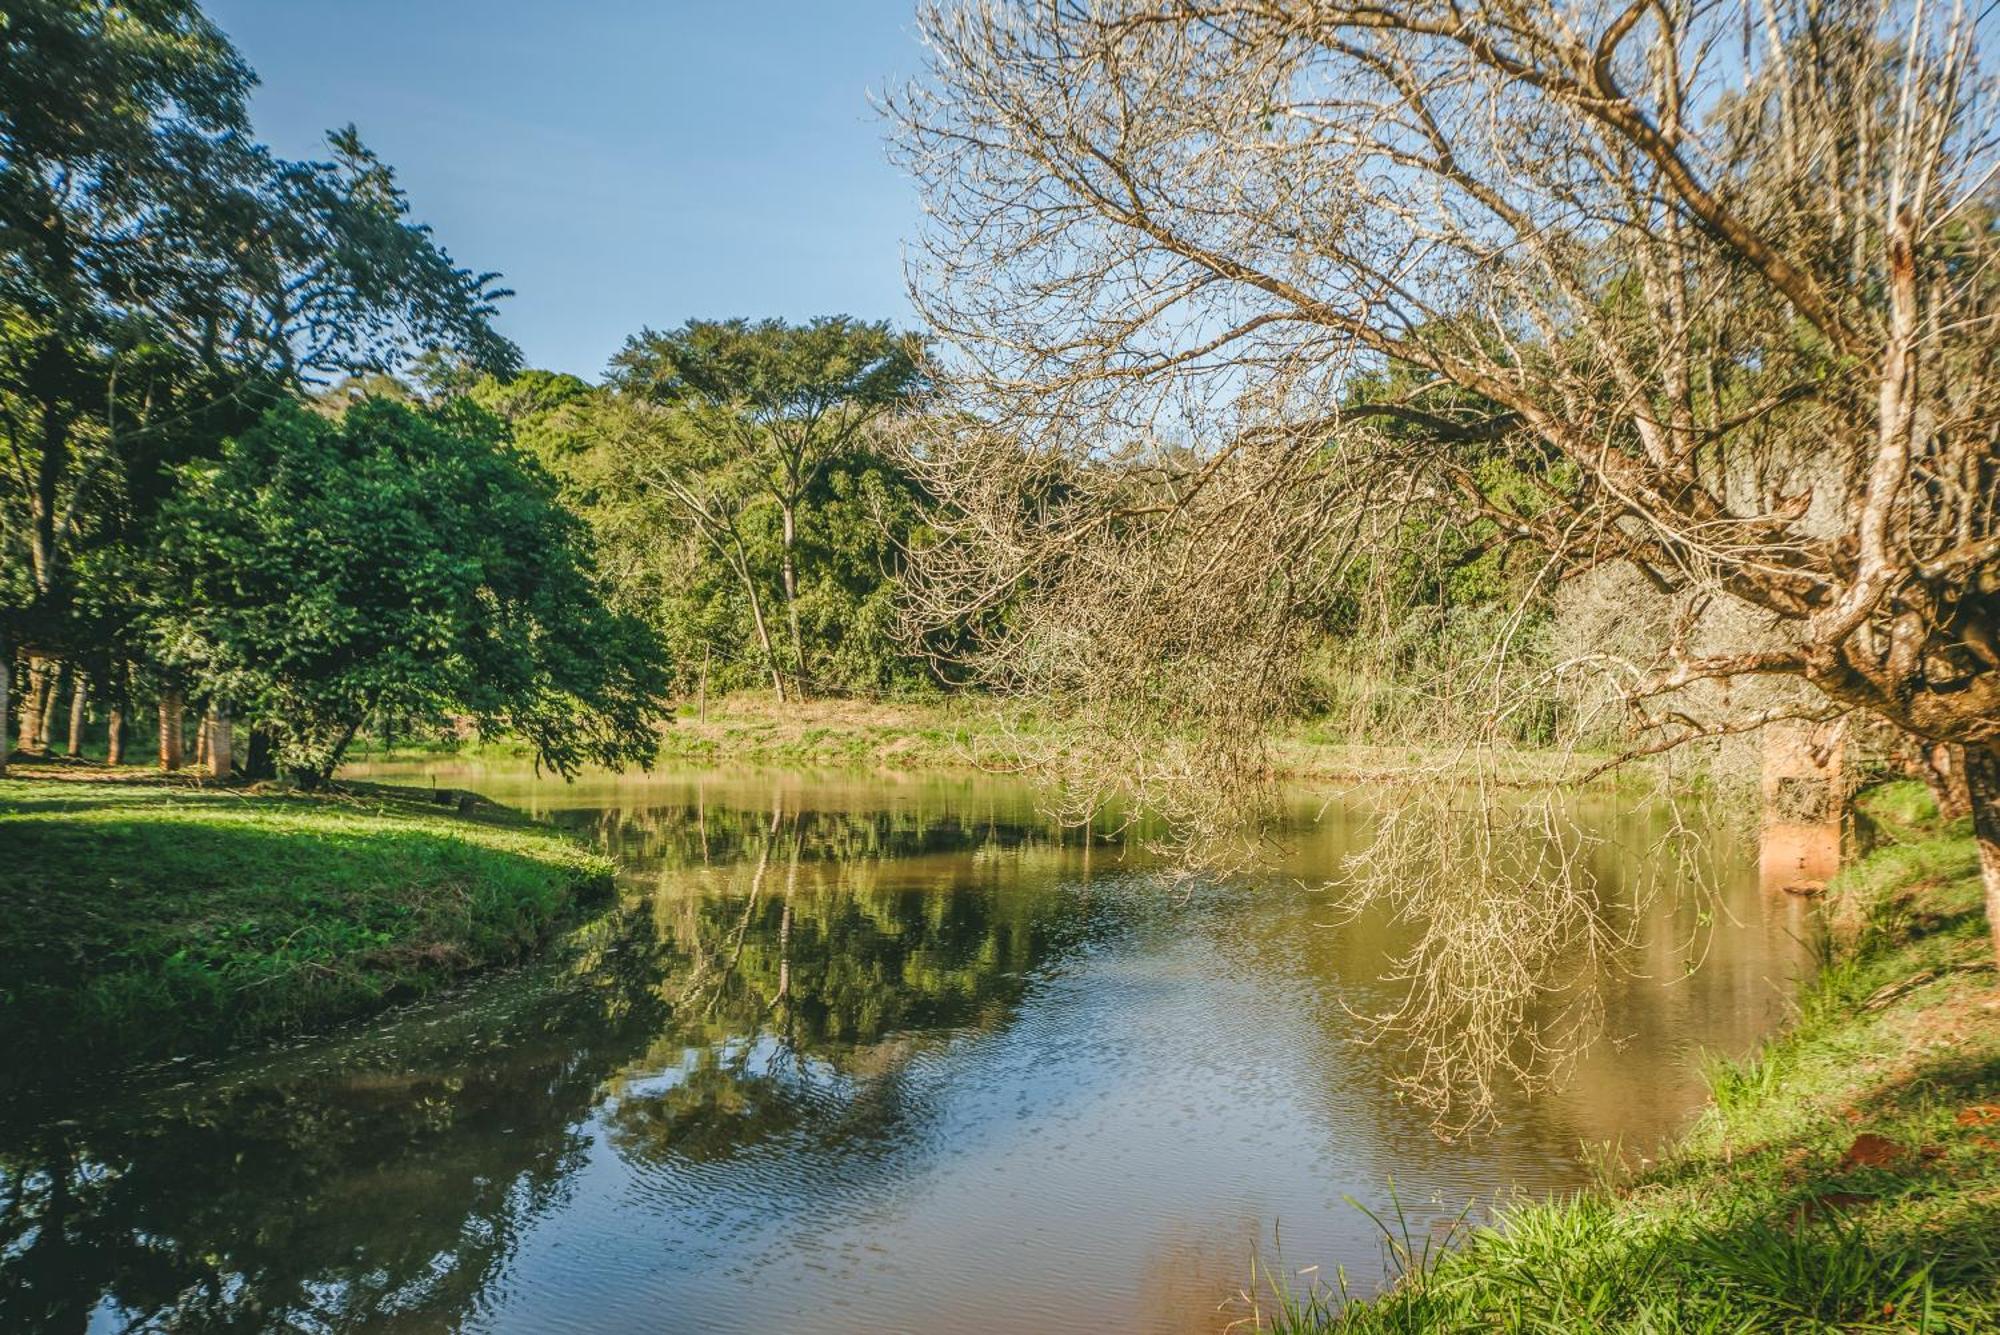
[401,561]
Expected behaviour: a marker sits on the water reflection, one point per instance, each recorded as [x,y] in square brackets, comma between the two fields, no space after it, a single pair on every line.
[851,1055]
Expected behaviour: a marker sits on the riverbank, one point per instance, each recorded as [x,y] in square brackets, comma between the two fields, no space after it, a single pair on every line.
[973,732]
[147,917]
[1846,1177]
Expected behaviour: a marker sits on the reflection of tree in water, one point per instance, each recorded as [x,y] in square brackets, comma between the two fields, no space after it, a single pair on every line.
[812,983]
[392,1174]
[385,1174]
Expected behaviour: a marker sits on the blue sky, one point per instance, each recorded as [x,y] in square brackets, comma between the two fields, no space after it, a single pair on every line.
[622,162]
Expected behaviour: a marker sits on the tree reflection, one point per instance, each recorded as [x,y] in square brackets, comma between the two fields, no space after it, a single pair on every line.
[776,1003]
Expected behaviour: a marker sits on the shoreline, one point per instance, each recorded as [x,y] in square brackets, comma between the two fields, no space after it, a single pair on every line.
[1846,1175]
[242,914]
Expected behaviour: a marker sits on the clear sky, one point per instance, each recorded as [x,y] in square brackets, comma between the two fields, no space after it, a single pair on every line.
[623,162]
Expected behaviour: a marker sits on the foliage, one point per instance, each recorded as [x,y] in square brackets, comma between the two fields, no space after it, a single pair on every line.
[776,414]
[402,561]
[165,278]
[240,916]
[688,498]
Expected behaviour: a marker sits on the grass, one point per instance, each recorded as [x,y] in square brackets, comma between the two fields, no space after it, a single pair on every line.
[145,918]
[960,731]
[1846,1177]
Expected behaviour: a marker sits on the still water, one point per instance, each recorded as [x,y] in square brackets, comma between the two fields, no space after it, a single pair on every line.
[847,1054]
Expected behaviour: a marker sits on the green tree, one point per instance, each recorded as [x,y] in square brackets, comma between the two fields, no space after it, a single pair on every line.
[162,277]
[786,401]
[400,560]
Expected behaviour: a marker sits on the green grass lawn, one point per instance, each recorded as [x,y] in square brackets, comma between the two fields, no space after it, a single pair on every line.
[1846,1178]
[143,919]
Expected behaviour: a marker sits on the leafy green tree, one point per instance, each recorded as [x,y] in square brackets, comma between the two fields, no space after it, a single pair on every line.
[786,401]
[163,277]
[400,560]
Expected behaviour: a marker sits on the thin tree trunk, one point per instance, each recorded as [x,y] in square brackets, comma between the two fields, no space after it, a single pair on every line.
[791,578]
[31,704]
[45,726]
[79,696]
[701,692]
[6,697]
[1982,776]
[763,632]
[201,742]
[114,738]
[215,740]
[172,706]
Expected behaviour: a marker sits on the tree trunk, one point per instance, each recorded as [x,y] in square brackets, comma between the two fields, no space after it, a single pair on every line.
[1943,767]
[34,707]
[791,576]
[6,694]
[201,742]
[114,736]
[79,696]
[45,736]
[1982,777]
[215,740]
[262,760]
[172,706]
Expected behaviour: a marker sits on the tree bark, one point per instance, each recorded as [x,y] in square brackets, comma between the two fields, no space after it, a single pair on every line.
[1982,777]
[215,740]
[45,729]
[1943,767]
[172,706]
[114,736]
[6,694]
[79,697]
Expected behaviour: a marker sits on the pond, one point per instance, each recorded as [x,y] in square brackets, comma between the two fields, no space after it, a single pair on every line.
[850,1054]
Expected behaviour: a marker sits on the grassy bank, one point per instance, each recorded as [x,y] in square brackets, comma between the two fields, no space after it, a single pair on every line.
[1846,1178]
[753,728]
[144,918]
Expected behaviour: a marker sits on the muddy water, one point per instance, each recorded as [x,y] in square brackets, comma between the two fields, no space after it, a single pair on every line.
[849,1054]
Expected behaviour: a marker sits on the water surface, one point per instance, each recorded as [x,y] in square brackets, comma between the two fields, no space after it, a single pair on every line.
[849,1054]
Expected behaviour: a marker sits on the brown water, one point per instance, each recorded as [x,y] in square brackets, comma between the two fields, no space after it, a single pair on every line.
[850,1054]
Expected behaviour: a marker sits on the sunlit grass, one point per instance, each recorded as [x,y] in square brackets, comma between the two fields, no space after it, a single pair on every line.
[145,919]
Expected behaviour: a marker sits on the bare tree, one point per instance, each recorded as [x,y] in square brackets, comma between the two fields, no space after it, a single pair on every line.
[1714,284]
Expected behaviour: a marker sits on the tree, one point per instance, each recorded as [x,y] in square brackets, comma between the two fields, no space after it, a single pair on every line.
[391,559]
[785,399]
[1718,282]
[163,277]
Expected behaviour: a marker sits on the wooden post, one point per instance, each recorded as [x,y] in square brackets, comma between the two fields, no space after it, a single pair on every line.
[215,740]
[172,705]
